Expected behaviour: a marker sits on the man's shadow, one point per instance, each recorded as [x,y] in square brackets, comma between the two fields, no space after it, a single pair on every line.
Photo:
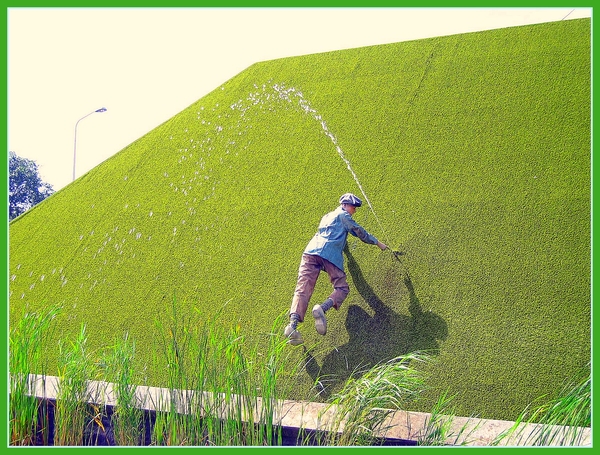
[379,337]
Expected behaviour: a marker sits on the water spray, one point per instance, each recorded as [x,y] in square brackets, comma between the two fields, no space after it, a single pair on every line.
[295,97]
[286,94]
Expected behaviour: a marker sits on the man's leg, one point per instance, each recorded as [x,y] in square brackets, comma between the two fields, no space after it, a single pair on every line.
[308,273]
[339,294]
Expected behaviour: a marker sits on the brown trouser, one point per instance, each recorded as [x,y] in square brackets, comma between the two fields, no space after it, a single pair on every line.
[310,267]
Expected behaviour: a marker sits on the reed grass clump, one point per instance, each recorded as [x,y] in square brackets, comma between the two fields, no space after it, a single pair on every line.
[558,421]
[226,391]
[368,399]
[72,409]
[440,428]
[220,394]
[26,347]
[127,417]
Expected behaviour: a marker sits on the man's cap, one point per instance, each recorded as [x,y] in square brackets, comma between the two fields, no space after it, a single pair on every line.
[351,199]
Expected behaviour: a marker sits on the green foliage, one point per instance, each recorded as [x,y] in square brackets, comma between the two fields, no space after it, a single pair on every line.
[224,408]
[25,186]
[367,400]
[76,369]
[558,422]
[222,392]
[117,368]
[27,347]
[474,151]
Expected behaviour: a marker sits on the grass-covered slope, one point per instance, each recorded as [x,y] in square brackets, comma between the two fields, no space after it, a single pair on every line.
[474,152]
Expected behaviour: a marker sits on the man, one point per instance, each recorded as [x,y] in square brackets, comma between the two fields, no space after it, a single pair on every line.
[324,252]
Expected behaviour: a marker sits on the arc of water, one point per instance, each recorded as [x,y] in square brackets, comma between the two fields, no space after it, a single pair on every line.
[286,94]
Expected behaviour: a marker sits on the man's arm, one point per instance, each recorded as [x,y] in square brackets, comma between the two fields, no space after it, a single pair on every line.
[358,231]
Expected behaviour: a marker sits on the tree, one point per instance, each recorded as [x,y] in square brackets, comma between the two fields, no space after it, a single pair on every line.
[26,188]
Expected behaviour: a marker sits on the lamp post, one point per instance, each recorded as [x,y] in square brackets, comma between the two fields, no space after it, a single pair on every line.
[102,109]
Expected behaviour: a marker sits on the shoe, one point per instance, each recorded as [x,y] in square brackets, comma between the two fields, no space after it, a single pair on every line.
[320,321]
[294,337]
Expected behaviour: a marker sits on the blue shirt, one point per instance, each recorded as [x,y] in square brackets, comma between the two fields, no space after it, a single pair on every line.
[330,239]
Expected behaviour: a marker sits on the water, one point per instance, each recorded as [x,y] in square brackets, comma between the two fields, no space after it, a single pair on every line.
[265,97]
[288,94]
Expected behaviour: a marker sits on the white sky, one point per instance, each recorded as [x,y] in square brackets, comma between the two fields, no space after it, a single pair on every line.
[145,65]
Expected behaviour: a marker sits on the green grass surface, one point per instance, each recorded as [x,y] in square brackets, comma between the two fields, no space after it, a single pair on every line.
[474,151]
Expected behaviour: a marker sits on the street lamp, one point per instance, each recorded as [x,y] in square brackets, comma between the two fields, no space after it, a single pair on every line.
[102,109]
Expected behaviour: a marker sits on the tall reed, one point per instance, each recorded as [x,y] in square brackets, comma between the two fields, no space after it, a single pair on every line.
[219,392]
[361,408]
[439,428]
[174,347]
[72,409]
[26,347]
[224,390]
[127,417]
[559,422]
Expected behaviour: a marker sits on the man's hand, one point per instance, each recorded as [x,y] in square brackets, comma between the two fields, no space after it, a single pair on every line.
[382,246]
